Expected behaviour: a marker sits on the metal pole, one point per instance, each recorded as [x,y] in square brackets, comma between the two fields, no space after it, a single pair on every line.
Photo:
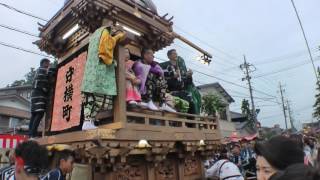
[306,41]
[290,115]
[248,78]
[283,106]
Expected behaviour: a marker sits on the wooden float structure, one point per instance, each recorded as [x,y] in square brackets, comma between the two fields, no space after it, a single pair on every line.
[175,144]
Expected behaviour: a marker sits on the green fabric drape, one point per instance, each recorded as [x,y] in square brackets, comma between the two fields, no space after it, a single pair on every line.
[99,78]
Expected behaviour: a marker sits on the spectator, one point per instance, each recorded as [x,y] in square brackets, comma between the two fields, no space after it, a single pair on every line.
[297,172]
[248,159]
[276,155]
[224,169]
[236,156]
[62,164]
[309,151]
[5,161]
[31,160]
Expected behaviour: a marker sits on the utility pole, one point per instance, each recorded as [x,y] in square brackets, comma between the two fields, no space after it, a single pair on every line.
[246,68]
[283,105]
[290,116]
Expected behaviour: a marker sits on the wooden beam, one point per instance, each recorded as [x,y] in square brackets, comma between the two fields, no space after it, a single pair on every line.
[185,40]
[120,106]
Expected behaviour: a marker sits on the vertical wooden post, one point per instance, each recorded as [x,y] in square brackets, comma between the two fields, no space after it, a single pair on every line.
[202,169]
[120,108]
[150,171]
[180,164]
[44,125]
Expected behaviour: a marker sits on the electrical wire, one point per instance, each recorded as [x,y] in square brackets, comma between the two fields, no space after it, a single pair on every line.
[18,30]
[285,69]
[25,50]
[22,12]
[283,58]
[209,45]
[226,81]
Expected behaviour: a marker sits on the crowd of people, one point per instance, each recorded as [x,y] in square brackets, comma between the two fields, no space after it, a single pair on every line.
[35,162]
[286,157]
[291,157]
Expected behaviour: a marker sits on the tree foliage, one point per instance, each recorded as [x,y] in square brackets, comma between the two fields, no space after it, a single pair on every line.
[211,104]
[316,112]
[246,111]
[28,78]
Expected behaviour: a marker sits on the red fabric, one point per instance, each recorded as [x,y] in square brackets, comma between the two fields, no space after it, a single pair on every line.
[60,123]
[8,140]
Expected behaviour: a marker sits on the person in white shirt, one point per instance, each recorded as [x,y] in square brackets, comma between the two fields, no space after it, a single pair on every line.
[224,169]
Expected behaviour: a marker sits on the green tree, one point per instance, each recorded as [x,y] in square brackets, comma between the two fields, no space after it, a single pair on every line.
[27,81]
[246,111]
[211,104]
[316,112]
[30,76]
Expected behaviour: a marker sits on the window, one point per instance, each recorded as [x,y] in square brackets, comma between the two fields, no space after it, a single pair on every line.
[14,122]
[28,95]
[4,121]
[223,115]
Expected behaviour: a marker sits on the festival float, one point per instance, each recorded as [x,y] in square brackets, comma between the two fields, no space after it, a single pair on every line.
[128,143]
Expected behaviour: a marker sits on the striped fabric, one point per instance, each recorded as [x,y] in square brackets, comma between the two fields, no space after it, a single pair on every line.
[55,174]
[8,173]
[10,141]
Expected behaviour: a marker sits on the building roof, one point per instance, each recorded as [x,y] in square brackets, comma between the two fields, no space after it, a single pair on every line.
[219,88]
[236,115]
[16,88]
[16,96]
[14,112]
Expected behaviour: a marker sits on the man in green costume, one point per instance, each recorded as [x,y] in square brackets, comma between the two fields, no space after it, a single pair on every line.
[180,82]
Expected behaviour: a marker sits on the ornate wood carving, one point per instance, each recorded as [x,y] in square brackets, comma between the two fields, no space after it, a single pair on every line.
[133,172]
[191,166]
[167,170]
[89,15]
[51,44]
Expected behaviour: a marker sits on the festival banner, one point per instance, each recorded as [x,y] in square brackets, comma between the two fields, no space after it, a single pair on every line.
[67,100]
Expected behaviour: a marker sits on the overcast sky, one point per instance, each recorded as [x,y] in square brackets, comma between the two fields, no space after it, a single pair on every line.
[266,31]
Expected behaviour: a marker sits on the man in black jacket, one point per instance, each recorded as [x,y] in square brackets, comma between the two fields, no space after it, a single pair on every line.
[39,96]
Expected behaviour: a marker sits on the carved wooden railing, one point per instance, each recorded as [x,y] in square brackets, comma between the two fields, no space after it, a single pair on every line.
[173,120]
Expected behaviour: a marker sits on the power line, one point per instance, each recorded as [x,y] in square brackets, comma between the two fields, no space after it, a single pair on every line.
[306,40]
[279,114]
[22,12]
[17,30]
[237,92]
[271,60]
[263,83]
[283,57]
[235,84]
[25,50]
[266,105]
[189,50]
[263,100]
[285,69]
[209,45]
[226,81]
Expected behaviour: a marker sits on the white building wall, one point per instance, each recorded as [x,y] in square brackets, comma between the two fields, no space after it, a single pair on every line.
[226,127]
[14,103]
